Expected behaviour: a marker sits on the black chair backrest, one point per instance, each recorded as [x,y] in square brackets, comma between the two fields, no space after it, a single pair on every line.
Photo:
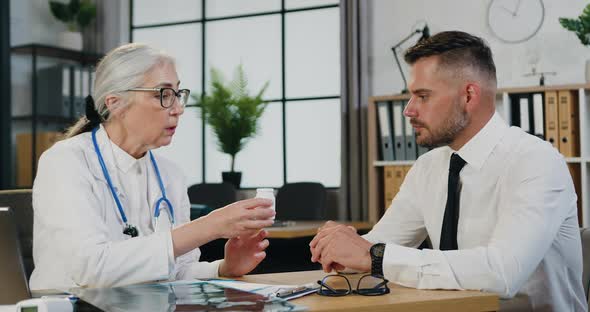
[13,282]
[21,203]
[214,195]
[301,201]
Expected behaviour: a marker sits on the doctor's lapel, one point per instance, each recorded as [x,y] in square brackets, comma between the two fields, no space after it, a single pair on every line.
[108,157]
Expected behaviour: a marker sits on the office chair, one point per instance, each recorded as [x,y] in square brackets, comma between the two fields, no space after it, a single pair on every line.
[13,285]
[206,197]
[21,202]
[301,201]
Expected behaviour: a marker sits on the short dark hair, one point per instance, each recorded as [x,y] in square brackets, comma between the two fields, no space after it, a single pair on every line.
[456,50]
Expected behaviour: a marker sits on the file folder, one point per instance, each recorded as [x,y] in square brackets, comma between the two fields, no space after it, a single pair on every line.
[24,153]
[66,90]
[388,185]
[551,118]
[84,92]
[538,114]
[393,179]
[524,114]
[398,131]
[421,149]
[92,79]
[78,102]
[410,139]
[406,170]
[53,91]
[569,144]
[385,131]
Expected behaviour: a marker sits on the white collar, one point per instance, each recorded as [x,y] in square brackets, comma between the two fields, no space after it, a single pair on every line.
[480,146]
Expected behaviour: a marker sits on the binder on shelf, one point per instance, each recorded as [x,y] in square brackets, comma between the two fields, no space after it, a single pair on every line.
[24,154]
[393,179]
[421,149]
[66,91]
[53,91]
[538,116]
[569,143]
[406,170]
[385,130]
[523,103]
[551,118]
[84,92]
[78,99]
[410,139]
[388,185]
[92,79]
[399,143]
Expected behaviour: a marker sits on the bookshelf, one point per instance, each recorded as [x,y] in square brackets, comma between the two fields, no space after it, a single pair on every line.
[581,161]
[46,82]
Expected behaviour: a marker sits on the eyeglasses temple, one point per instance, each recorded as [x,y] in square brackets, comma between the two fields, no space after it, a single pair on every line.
[324,285]
[382,284]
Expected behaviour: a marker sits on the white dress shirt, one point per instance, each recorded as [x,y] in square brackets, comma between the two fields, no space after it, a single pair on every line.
[518,225]
[78,235]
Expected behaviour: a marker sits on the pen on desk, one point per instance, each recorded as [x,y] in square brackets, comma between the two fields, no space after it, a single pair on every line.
[294,290]
[289,291]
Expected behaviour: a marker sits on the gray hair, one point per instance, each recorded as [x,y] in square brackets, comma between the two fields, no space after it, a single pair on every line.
[121,69]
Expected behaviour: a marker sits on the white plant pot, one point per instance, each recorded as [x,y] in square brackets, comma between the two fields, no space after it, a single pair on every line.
[70,40]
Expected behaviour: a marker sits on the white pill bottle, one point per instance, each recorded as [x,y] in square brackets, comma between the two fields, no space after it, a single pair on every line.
[268,193]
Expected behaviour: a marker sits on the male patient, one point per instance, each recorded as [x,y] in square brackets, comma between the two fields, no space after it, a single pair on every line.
[498,204]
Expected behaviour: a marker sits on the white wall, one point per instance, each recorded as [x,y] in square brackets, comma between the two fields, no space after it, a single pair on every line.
[559,50]
[31,22]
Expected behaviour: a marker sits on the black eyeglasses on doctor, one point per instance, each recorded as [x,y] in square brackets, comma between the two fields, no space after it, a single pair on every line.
[168,95]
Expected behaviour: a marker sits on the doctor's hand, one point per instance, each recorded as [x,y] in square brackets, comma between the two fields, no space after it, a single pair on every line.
[243,254]
[241,218]
[337,246]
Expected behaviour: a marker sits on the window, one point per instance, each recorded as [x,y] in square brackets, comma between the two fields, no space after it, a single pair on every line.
[296,48]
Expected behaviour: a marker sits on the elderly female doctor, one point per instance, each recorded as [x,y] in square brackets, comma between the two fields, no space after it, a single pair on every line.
[109,212]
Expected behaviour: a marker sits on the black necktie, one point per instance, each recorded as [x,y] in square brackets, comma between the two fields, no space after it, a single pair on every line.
[448,234]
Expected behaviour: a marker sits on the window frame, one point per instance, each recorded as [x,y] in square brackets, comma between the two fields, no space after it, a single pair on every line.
[272,101]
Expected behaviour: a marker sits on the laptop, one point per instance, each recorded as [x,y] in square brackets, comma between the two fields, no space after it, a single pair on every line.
[13,284]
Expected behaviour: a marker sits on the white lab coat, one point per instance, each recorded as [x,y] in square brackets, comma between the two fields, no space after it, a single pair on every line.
[78,238]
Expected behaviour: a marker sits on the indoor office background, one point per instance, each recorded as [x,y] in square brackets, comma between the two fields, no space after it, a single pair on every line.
[323,59]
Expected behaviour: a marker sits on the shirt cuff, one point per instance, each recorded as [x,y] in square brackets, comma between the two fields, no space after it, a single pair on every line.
[203,269]
[422,269]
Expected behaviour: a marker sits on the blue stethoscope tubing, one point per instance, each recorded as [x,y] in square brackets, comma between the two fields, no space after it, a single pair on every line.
[118,202]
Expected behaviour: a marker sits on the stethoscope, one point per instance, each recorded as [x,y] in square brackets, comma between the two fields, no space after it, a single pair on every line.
[131,229]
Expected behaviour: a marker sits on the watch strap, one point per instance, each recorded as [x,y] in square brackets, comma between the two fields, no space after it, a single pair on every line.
[377,251]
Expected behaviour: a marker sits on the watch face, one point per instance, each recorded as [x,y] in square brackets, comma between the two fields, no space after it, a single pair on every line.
[514,21]
[378,250]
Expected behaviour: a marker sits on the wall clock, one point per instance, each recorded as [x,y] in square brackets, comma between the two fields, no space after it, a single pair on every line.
[515,21]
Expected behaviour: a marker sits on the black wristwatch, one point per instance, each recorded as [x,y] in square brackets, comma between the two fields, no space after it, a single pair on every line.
[377,251]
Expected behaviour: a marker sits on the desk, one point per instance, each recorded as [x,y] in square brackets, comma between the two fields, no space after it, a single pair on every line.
[400,298]
[308,228]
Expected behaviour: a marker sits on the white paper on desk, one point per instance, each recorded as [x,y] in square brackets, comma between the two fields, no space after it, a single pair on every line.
[263,289]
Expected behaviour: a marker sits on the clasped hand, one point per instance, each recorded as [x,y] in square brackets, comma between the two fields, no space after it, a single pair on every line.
[337,246]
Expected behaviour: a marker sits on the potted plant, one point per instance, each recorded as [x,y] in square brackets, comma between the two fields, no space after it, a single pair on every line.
[77,15]
[233,115]
[581,27]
